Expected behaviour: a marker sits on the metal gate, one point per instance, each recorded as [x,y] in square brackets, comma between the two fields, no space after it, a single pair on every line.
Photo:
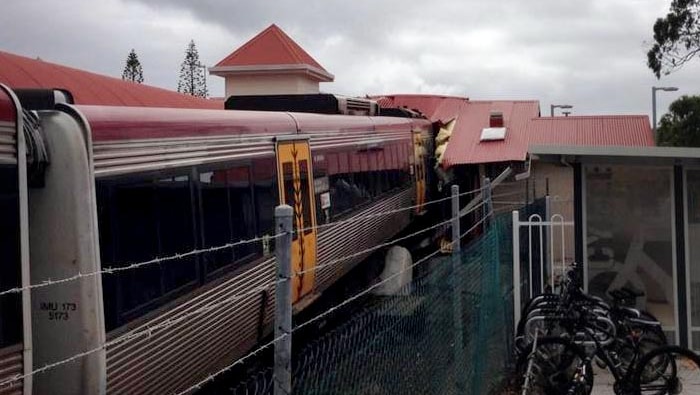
[539,256]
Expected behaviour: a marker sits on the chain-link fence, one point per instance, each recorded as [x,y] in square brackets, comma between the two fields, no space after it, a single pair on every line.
[409,343]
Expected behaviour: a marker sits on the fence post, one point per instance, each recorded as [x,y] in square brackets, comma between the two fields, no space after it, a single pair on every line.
[282,374]
[516,270]
[549,247]
[459,357]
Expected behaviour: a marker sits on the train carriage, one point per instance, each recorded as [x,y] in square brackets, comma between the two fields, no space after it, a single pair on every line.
[130,187]
[15,321]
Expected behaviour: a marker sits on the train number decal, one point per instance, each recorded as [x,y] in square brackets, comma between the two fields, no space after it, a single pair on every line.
[296,188]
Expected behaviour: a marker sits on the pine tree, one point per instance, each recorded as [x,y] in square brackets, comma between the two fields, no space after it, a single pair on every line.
[133,71]
[192,75]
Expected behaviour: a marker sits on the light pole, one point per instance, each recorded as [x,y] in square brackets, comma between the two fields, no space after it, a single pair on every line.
[562,106]
[653,103]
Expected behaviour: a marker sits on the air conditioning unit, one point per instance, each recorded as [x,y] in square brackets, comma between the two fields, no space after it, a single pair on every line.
[321,103]
[357,106]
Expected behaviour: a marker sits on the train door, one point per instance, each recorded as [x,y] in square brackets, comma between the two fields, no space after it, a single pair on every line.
[419,158]
[296,188]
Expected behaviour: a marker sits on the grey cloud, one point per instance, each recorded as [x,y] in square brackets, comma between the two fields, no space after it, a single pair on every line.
[588,53]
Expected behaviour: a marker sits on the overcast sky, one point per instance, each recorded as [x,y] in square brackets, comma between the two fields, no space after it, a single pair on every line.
[590,53]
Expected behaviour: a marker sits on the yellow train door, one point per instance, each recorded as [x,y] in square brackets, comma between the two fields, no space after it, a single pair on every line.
[296,188]
[419,156]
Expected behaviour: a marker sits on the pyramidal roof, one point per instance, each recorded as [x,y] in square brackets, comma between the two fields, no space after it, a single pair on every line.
[271,49]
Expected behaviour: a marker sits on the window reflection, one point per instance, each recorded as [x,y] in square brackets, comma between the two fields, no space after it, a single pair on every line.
[693,201]
[629,235]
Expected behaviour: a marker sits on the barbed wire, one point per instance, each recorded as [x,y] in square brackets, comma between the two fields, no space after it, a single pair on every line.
[149,330]
[370,249]
[369,289]
[197,251]
[383,213]
[146,332]
[387,244]
[211,377]
[158,260]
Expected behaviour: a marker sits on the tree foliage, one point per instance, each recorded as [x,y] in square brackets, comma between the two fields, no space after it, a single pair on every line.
[676,37]
[681,126]
[192,74]
[132,70]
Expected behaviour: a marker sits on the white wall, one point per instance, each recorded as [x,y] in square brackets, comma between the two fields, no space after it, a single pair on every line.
[561,192]
[269,85]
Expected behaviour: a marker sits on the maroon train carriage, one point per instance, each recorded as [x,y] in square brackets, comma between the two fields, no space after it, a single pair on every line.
[127,185]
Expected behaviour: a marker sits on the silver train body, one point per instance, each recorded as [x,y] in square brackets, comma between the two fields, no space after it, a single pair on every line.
[108,174]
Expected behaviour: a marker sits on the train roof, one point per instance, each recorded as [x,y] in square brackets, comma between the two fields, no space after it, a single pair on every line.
[111,123]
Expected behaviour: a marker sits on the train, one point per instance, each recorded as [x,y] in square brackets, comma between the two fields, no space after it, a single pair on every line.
[138,243]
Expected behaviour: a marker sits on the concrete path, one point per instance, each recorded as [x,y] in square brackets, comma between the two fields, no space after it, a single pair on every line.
[603,382]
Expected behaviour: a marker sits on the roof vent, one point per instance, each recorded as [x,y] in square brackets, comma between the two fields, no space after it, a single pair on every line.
[496,119]
[493,134]
[496,130]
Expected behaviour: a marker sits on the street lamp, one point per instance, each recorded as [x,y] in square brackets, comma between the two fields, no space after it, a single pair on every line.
[653,103]
[562,106]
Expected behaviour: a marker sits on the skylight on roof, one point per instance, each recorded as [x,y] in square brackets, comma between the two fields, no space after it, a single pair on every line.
[493,134]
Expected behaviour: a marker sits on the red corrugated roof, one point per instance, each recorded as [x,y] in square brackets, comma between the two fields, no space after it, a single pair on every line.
[272,46]
[465,146]
[435,107]
[90,88]
[524,127]
[594,130]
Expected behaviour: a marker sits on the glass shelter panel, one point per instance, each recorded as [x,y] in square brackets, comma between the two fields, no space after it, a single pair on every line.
[629,235]
[693,243]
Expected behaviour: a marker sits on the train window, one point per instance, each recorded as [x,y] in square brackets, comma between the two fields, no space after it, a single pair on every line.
[10,267]
[406,155]
[374,179]
[141,219]
[340,183]
[266,195]
[243,222]
[228,216]
[215,218]
[393,165]
[321,168]
[382,160]
[176,230]
[362,179]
